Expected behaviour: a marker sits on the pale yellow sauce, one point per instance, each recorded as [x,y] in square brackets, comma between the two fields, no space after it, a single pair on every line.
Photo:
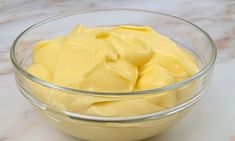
[111,59]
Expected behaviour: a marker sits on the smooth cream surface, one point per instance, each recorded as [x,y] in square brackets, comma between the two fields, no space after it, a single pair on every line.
[111,59]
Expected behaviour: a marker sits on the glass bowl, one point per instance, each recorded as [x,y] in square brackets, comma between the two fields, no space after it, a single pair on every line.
[100,128]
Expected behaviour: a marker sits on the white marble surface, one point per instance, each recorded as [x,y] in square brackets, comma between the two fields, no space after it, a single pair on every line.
[212,119]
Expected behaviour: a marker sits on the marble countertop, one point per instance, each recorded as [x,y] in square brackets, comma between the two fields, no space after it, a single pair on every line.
[212,119]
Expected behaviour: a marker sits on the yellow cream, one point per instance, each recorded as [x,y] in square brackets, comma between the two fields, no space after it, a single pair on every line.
[111,59]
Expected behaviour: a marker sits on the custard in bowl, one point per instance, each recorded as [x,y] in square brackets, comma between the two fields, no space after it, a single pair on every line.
[120,74]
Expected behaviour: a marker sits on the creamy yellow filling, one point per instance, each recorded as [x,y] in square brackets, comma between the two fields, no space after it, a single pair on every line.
[111,59]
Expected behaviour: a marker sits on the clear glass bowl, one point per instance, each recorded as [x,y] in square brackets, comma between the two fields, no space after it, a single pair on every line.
[187,36]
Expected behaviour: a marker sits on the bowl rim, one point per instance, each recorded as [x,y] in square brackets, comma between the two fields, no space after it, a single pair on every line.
[155,115]
[182,83]
[129,119]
